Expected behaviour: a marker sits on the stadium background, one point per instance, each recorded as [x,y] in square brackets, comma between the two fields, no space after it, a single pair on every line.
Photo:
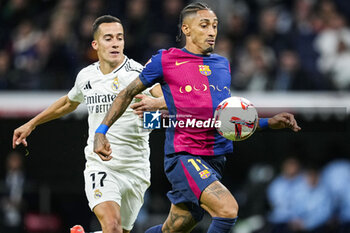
[280,52]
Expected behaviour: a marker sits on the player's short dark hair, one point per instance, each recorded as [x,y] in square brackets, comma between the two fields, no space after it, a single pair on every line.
[104,19]
[190,9]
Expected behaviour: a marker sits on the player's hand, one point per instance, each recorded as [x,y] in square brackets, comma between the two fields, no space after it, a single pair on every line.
[146,104]
[284,120]
[20,135]
[102,147]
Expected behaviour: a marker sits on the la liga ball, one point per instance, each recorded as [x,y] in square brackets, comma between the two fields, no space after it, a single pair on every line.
[238,118]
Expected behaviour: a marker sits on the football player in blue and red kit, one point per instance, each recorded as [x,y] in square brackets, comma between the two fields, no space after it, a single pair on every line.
[194,156]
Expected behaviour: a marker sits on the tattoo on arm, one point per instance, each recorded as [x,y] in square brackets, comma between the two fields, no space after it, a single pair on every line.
[122,101]
[217,190]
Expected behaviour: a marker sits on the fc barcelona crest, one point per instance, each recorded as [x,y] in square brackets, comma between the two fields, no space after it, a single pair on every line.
[115,84]
[204,174]
[204,69]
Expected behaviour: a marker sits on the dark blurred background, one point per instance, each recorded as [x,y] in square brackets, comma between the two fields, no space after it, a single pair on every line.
[294,55]
[272,44]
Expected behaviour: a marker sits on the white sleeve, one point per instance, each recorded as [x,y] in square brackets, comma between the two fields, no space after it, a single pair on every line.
[139,68]
[75,93]
[148,90]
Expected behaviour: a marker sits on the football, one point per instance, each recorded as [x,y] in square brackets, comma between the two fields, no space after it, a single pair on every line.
[238,118]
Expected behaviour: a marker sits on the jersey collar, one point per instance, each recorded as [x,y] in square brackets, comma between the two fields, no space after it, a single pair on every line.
[116,69]
[198,55]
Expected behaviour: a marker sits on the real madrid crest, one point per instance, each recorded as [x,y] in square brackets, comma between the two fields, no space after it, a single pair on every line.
[115,84]
[97,194]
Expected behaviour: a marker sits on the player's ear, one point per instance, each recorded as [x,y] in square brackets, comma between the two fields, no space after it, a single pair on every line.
[94,44]
[186,29]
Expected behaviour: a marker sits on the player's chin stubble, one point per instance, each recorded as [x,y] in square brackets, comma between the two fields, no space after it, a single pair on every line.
[209,49]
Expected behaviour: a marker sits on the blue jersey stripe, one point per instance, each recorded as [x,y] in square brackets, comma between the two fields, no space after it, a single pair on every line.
[170,132]
[219,90]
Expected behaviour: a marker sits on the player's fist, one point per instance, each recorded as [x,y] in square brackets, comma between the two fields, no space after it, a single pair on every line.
[284,120]
[20,134]
[102,147]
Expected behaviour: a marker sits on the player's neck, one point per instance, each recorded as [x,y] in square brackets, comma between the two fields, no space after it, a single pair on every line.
[192,48]
[107,67]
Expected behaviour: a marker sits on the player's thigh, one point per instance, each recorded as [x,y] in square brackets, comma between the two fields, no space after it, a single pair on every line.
[133,198]
[179,220]
[189,175]
[101,185]
[218,201]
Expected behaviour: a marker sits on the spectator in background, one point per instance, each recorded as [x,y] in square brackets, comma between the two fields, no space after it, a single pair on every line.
[281,193]
[12,13]
[224,48]
[137,26]
[333,44]
[12,202]
[168,20]
[62,63]
[237,25]
[25,57]
[312,204]
[94,7]
[86,52]
[290,75]
[91,10]
[344,214]
[255,66]
[302,36]
[269,32]
[164,29]
[4,69]
[336,177]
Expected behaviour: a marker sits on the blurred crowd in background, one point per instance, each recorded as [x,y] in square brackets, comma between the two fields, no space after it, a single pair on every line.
[299,198]
[271,44]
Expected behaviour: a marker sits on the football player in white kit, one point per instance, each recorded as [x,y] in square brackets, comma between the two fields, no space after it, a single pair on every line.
[114,188]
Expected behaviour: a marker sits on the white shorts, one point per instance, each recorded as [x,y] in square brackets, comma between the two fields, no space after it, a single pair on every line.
[125,187]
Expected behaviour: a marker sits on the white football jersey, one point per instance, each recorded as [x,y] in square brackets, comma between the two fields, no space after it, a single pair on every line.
[129,141]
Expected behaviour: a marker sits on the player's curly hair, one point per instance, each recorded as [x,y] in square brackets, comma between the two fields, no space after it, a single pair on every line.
[104,19]
[190,9]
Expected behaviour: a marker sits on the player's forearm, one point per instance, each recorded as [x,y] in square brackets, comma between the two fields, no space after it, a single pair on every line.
[122,101]
[159,101]
[156,91]
[58,109]
[118,107]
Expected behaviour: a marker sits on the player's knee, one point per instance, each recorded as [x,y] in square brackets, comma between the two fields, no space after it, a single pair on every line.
[229,210]
[111,225]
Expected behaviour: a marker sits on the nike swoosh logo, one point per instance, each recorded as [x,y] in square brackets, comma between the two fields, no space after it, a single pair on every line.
[180,63]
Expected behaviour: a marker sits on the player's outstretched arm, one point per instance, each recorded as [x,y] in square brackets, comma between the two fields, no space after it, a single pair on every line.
[118,107]
[60,108]
[283,120]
